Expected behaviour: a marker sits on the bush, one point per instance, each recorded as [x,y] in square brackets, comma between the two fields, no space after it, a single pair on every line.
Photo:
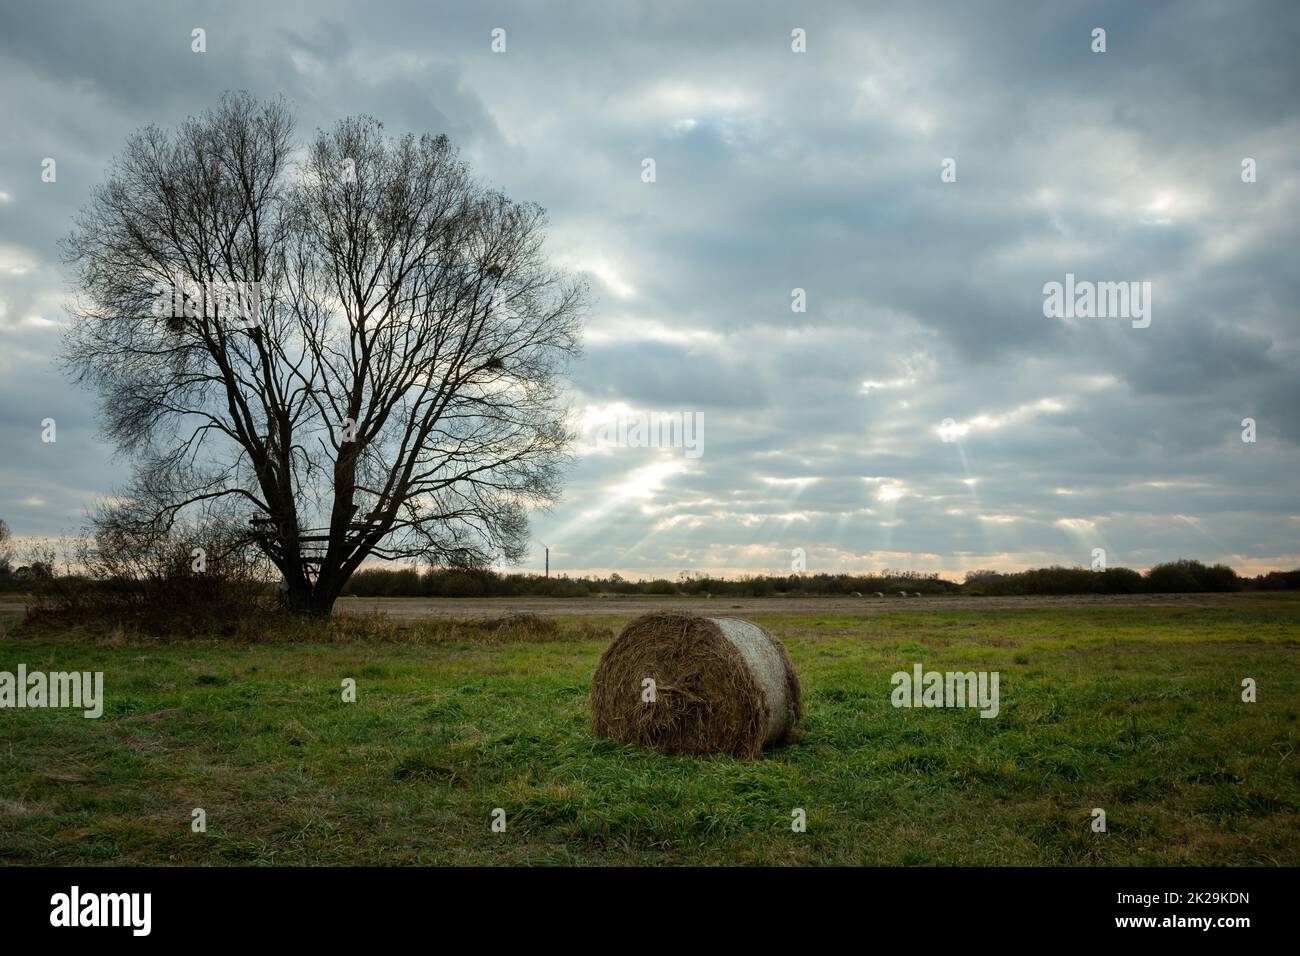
[1172,577]
[1278,581]
[1184,576]
[459,584]
[201,578]
[1121,581]
[1220,577]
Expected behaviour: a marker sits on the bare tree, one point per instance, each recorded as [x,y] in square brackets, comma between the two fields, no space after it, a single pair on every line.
[355,345]
[6,549]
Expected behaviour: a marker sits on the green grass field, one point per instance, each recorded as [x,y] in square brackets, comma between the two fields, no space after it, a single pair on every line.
[1137,711]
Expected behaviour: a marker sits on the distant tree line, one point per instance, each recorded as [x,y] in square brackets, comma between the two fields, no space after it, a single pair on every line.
[1183,576]
[157,573]
[437,582]
[19,576]
[1171,577]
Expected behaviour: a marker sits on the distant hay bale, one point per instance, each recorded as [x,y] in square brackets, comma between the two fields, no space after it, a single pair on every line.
[721,685]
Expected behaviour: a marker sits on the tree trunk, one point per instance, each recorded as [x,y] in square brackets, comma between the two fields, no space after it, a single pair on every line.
[299,598]
[323,597]
[312,601]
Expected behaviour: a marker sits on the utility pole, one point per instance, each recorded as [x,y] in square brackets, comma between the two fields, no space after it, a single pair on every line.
[548,562]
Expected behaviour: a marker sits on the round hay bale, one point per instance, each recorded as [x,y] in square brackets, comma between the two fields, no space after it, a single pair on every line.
[721,685]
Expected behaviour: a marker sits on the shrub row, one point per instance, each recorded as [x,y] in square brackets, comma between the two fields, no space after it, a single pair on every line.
[1183,576]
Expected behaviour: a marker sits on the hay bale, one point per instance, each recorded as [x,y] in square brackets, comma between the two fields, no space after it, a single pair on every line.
[722,685]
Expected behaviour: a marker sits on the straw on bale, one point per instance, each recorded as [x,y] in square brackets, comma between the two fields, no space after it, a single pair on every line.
[721,685]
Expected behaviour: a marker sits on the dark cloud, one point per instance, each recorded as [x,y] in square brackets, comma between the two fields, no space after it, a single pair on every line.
[777,171]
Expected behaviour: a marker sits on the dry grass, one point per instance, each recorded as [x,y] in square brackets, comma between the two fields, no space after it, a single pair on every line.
[341,628]
[1136,710]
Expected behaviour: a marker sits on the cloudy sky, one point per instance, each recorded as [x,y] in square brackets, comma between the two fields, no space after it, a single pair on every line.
[774,171]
